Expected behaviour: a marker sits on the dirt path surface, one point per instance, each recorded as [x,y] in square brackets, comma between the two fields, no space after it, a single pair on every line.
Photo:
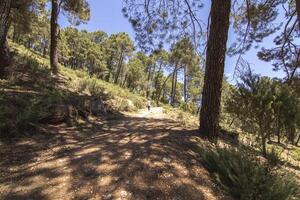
[154,113]
[142,156]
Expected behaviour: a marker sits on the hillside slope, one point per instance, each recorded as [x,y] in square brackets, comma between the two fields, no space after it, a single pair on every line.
[74,136]
[68,148]
[32,95]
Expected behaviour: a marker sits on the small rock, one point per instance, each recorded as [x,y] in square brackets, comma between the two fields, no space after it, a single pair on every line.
[167,160]
[107,196]
[123,193]
[167,175]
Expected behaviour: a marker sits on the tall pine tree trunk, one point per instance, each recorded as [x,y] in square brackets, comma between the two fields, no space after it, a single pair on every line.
[120,64]
[298,11]
[264,144]
[155,92]
[185,84]
[175,87]
[172,88]
[54,36]
[214,69]
[149,81]
[5,7]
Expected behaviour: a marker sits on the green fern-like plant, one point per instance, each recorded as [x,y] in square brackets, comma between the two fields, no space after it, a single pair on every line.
[242,176]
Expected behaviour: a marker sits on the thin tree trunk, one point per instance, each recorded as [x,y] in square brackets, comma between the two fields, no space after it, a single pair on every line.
[54,36]
[297,140]
[119,67]
[278,131]
[162,86]
[173,89]
[44,51]
[148,81]
[5,8]
[14,38]
[214,69]
[154,94]
[298,12]
[29,43]
[125,81]
[107,78]
[175,86]
[185,84]
[264,145]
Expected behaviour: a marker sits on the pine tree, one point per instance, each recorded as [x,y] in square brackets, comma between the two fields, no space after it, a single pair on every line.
[78,11]
[5,9]
[214,69]
[8,8]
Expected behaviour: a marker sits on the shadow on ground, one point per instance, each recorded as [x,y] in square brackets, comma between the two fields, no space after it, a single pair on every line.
[127,158]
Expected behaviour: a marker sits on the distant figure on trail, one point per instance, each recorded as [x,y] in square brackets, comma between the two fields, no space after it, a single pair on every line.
[148,105]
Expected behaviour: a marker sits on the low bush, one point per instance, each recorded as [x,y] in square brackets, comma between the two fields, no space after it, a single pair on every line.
[243,176]
[109,91]
[295,153]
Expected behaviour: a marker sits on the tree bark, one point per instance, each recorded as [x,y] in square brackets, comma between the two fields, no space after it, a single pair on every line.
[278,136]
[149,81]
[54,36]
[297,140]
[172,87]
[175,87]
[298,12]
[185,84]
[155,92]
[214,69]
[174,83]
[264,145]
[278,129]
[5,8]
[120,64]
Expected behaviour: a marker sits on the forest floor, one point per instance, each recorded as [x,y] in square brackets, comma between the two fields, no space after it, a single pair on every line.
[141,155]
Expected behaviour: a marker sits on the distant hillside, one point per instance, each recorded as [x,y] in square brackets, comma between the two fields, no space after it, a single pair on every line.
[32,95]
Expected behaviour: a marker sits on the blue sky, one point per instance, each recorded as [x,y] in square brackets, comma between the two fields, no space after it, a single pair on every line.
[106,15]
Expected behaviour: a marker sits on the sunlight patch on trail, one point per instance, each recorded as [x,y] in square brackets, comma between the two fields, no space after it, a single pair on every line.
[155,113]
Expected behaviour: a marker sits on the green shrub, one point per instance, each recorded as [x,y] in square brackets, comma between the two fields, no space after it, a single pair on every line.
[31,114]
[273,157]
[265,107]
[296,153]
[244,177]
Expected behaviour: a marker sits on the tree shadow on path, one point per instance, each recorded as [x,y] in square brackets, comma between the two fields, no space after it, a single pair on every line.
[126,158]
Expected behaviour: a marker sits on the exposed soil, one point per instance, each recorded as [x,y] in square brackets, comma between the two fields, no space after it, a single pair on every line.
[140,156]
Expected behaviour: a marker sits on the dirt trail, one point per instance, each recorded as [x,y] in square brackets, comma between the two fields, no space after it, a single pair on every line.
[141,156]
[154,113]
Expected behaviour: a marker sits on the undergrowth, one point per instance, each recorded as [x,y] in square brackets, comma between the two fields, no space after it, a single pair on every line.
[30,90]
[245,176]
[187,119]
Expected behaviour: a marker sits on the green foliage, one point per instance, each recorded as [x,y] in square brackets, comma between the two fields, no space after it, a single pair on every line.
[84,83]
[242,175]
[186,118]
[112,58]
[265,107]
[135,75]
[273,156]
[296,153]
[83,50]
[31,108]
[76,11]
[32,113]
[27,110]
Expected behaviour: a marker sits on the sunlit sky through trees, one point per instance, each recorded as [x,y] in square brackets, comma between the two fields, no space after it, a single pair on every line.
[106,15]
